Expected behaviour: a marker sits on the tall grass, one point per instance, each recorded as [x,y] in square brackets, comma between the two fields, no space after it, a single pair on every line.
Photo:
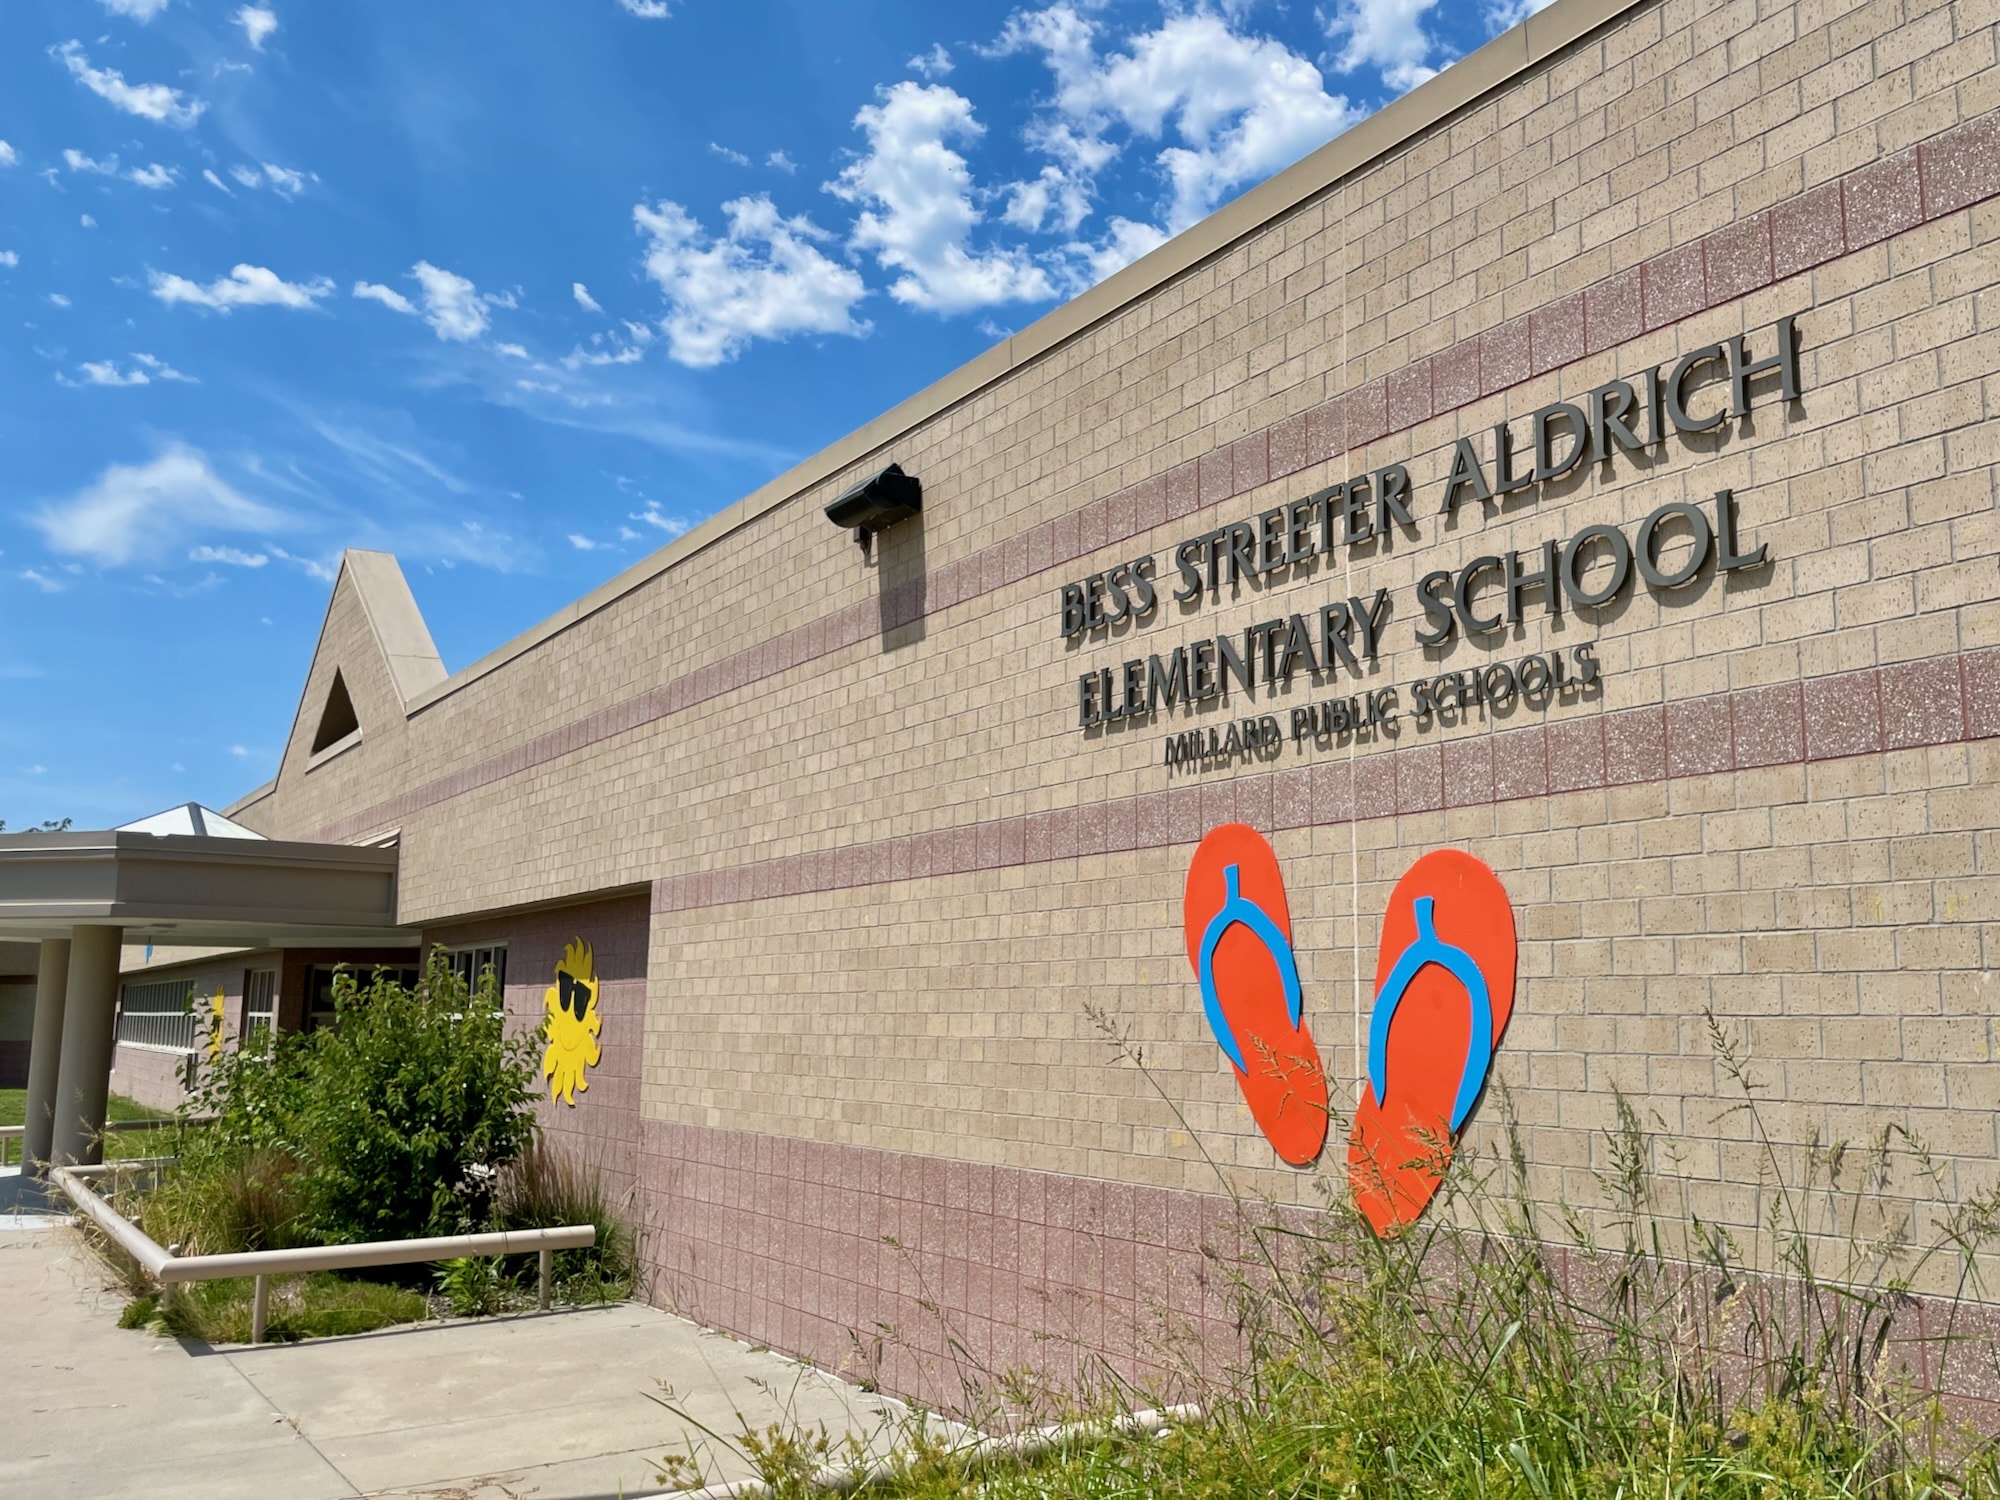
[551,1186]
[1507,1348]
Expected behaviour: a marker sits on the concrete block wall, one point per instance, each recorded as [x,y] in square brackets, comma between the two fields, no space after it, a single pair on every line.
[601,1127]
[892,878]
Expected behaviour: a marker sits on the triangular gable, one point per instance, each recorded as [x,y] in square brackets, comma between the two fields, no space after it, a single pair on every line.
[374,657]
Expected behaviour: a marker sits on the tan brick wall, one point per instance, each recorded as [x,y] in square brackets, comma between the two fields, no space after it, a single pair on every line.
[1691,172]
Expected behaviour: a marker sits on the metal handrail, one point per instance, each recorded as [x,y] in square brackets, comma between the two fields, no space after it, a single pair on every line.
[161,1122]
[171,1270]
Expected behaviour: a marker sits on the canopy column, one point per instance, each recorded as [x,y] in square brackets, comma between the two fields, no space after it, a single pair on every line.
[83,1080]
[45,1052]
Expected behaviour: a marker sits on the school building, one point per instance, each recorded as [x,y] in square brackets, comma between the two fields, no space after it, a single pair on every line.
[1587,464]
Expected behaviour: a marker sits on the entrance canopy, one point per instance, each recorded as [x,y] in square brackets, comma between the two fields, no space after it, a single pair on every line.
[189,889]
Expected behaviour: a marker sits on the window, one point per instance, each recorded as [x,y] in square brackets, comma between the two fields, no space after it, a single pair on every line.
[260,1000]
[159,1013]
[469,964]
[319,987]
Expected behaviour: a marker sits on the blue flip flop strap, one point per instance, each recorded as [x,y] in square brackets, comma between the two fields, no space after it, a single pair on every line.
[1239,909]
[1429,948]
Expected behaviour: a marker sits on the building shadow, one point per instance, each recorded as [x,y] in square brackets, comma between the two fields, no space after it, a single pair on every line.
[901,583]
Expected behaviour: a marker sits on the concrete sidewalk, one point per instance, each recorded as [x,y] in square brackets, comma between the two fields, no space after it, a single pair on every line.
[551,1406]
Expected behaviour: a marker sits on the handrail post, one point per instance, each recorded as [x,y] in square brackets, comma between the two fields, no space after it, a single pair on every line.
[547,1274]
[260,1310]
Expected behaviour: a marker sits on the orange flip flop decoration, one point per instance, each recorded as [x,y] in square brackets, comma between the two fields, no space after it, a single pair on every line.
[1444,989]
[1239,939]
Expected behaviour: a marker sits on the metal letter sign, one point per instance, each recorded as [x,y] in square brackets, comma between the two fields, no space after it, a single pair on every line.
[1444,988]
[1239,940]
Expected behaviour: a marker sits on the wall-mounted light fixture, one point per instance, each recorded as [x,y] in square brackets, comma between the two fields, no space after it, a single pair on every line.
[877,502]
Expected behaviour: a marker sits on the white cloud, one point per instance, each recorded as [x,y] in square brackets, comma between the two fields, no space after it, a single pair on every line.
[208,176]
[138,10]
[312,567]
[161,370]
[140,510]
[920,214]
[57,299]
[234,557]
[625,345]
[86,221]
[1502,14]
[672,525]
[106,373]
[583,298]
[10,258]
[244,286]
[583,543]
[764,277]
[154,176]
[646,10]
[734,158]
[42,580]
[149,101]
[781,161]
[8,155]
[257,23]
[1238,107]
[145,370]
[452,304]
[512,351]
[935,63]
[388,296]
[1388,35]
[286,182]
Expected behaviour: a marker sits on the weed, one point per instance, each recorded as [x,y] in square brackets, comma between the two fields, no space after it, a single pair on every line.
[1505,1348]
[473,1285]
[139,1312]
[321,1305]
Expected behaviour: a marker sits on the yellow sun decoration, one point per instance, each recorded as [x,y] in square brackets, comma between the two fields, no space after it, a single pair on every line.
[572,1024]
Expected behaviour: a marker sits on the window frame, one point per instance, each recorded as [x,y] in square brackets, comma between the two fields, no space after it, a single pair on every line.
[158,1023]
[254,1018]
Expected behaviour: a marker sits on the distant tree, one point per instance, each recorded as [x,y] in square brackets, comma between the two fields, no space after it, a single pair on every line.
[51,825]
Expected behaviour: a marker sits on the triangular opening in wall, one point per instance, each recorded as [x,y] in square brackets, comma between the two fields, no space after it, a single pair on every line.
[336,719]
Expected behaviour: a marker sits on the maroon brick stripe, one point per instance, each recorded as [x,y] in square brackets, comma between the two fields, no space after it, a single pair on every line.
[1950,172]
[1940,700]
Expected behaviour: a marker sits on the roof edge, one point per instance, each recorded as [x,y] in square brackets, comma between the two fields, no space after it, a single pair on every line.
[1501,60]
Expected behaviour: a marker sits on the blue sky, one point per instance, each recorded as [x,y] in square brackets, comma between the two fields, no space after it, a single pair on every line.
[519,292]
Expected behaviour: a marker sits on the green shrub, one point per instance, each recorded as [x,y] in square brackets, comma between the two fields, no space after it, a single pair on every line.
[397,1119]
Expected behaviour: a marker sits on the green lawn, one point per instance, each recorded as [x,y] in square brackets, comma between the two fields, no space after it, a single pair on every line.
[14,1109]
